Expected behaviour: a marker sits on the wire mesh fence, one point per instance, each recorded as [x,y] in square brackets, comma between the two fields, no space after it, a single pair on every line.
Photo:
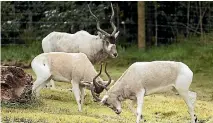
[28,21]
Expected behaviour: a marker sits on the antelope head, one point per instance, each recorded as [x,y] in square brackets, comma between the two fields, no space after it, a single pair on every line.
[113,102]
[109,40]
[98,86]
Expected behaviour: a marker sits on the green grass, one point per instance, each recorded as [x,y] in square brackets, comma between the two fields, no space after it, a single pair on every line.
[57,106]
[20,53]
[199,57]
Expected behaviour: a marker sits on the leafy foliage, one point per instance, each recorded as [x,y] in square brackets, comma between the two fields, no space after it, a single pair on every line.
[24,22]
[28,21]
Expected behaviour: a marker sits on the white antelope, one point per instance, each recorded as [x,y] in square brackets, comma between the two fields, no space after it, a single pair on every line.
[67,67]
[96,47]
[145,78]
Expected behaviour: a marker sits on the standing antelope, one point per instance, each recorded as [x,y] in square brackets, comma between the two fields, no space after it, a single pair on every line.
[67,67]
[96,47]
[145,78]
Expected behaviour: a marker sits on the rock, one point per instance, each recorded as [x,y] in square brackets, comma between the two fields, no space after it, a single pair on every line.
[16,85]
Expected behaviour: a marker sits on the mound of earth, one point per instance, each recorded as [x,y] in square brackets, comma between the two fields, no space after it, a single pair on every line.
[16,85]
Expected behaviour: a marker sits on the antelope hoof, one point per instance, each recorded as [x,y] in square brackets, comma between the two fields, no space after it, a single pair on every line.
[141,116]
[195,119]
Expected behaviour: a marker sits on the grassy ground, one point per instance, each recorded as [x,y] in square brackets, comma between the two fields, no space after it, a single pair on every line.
[57,106]
[20,55]
[60,106]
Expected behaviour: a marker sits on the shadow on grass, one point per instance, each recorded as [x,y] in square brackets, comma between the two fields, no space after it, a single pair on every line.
[33,103]
[22,120]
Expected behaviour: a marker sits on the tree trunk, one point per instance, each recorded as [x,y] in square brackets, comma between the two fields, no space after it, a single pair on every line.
[14,11]
[30,20]
[209,16]
[201,22]
[118,10]
[188,12]
[141,24]
[156,24]
[30,17]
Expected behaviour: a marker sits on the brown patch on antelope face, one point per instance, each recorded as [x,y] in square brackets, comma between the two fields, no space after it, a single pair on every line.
[112,40]
[99,89]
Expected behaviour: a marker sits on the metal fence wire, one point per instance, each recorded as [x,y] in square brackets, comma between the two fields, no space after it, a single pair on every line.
[28,21]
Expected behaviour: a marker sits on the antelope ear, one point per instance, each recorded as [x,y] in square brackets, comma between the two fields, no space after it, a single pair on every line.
[116,34]
[101,35]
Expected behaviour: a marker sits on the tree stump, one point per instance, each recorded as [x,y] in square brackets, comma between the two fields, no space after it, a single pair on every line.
[16,85]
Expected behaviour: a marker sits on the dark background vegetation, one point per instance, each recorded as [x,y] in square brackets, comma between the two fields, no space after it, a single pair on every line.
[26,21]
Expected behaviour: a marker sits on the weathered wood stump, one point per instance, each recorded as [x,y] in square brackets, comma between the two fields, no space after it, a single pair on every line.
[16,85]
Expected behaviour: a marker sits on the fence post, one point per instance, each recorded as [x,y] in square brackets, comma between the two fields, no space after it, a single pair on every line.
[141,24]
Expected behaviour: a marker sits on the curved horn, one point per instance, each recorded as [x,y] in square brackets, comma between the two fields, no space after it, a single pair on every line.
[107,76]
[94,79]
[94,95]
[98,23]
[111,21]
